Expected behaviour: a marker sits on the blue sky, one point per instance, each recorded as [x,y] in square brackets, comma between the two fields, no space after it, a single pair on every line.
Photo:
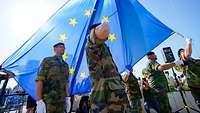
[181,16]
[21,18]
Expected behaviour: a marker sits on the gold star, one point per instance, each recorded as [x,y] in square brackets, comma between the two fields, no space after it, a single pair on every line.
[62,37]
[73,21]
[71,70]
[112,37]
[87,13]
[83,75]
[106,19]
[65,56]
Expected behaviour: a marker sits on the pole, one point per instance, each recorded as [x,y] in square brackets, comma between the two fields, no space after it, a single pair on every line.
[180,91]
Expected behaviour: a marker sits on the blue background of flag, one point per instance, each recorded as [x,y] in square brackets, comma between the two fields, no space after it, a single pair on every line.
[133,32]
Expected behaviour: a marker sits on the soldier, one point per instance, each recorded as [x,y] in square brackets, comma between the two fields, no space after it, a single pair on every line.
[132,90]
[108,93]
[149,97]
[191,68]
[51,83]
[158,82]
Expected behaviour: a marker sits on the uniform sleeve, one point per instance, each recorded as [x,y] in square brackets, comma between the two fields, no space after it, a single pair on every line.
[43,70]
[94,61]
[92,49]
[152,66]
[67,74]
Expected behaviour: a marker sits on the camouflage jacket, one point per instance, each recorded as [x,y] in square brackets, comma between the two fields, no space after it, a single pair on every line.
[191,69]
[55,77]
[101,66]
[133,88]
[157,79]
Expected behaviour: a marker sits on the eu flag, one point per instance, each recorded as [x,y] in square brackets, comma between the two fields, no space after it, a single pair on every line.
[134,32]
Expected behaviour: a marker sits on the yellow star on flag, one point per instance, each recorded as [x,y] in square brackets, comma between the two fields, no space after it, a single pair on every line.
[112,37]
[106,19]
[62,37]
[83,75]
[73,21]
[71,70]
[65,56]
[87,13]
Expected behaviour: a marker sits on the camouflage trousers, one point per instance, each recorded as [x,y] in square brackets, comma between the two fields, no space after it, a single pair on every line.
[59,107]
[163,101]
[135,104]
[109,101]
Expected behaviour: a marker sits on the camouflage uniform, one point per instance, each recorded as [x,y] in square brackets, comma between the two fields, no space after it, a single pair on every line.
[191,69]
[54,75]
[134,94]
[108,94]
[158,83]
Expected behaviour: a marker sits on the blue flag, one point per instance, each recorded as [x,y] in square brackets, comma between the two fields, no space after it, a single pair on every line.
[133,32]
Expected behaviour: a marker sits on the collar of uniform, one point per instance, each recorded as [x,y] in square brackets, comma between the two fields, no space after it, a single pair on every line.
[55,57]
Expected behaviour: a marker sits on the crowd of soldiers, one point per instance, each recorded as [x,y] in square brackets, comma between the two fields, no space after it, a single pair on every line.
[112,92]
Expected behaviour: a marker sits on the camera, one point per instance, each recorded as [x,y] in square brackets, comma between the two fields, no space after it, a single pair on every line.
[168,55]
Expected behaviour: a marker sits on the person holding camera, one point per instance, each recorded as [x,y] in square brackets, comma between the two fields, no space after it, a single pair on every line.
[158,81]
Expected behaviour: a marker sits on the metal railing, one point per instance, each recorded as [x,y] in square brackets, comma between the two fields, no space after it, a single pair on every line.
[13,102]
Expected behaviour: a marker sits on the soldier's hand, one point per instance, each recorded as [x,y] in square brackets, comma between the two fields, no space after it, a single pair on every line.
[125,76]
[188,40]
[68,104]
[41,107]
